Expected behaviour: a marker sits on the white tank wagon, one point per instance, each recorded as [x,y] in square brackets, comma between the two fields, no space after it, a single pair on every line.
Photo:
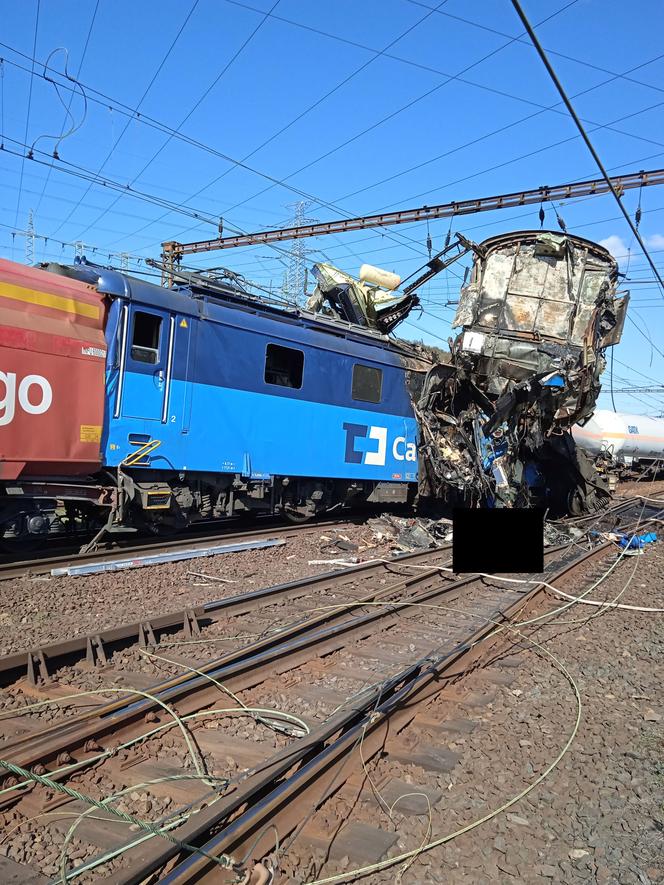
[623,438]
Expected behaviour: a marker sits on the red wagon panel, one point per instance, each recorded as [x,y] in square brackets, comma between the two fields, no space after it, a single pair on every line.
[52,362]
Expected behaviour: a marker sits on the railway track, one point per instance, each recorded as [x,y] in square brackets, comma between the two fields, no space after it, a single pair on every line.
[45,562]
[315,668]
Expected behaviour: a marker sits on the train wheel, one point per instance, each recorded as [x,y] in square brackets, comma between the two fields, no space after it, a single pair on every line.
[16,539]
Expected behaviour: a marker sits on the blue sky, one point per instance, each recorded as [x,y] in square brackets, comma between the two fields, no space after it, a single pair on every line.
[355,106]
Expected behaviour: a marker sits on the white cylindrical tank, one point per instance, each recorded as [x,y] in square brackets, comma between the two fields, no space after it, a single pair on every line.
[624,437]
[376,276]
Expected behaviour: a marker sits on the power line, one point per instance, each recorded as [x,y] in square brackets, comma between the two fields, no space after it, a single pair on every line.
[473,175]
[659,389]
[197,104]
[142,99]
[81,172]
[330,92]
[584,135]
[135,115]
[27,115]
[398,111]
[142,118]
[519,39]
[71,97]
[175,133]
[368,129]
[299,117]
[517,159]
[419,65]
[282,183]
[643,335]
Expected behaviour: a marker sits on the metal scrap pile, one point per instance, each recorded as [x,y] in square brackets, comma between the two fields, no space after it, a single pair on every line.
[495,416]
[367,302]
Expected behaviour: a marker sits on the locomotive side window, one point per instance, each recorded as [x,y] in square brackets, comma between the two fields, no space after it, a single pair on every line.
[367,383]
[283,366]
[145,337]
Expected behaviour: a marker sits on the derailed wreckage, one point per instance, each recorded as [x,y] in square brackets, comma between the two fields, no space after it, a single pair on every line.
[496,412]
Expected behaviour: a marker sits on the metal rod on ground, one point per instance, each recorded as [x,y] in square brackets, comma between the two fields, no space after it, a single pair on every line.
[160,558]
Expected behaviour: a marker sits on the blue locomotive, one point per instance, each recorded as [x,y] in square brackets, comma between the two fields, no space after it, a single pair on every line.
[214,403]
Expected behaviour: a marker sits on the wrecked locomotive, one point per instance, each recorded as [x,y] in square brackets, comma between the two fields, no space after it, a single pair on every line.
[496,415]
[129,404]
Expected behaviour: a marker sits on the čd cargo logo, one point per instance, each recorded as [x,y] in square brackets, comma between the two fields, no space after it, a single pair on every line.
[360,452]
[33,394]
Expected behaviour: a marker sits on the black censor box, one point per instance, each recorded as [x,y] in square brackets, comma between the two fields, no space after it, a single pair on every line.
[498,540]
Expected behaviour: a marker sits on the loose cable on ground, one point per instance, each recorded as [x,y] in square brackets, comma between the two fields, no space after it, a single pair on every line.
[304,728]
[102,805]
[408,855]
[149,828]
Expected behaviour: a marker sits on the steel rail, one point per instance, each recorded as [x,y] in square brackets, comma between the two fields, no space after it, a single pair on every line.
[188,688]
[240,668]
[43,661]
[281,794]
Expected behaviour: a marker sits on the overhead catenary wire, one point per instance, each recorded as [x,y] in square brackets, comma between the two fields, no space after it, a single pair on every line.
[189,114]
[579,125]
[417,246]
[420,65]
[522,39]
[653,346]
[495,166]
[505,128]
[27,113]
[71,97]
[142,118]
[398,111]
[318,199]
[154,77]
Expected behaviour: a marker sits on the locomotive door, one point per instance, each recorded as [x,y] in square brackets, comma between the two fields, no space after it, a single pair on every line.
[148,363]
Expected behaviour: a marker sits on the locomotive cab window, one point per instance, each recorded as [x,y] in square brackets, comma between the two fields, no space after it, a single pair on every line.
[283,366]
[367,383]
[145,337]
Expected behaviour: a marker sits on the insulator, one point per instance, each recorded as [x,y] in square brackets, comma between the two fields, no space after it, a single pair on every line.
[542,216]
[637,216]
[561,223]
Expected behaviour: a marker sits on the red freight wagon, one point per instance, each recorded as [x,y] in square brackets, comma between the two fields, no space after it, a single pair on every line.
[52,361]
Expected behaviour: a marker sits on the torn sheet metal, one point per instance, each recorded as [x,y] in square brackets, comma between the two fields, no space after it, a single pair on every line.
[362,302]
[495,419]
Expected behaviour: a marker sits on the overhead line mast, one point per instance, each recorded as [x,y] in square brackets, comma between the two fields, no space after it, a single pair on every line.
[173,251]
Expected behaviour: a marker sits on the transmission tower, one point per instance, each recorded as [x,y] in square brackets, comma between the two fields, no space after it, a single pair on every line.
[295,276]
[30,236]
[30,240]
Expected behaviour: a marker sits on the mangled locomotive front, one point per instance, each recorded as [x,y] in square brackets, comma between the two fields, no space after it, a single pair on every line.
[538,312]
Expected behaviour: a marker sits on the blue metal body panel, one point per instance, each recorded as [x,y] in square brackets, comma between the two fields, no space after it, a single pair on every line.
[206,400]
